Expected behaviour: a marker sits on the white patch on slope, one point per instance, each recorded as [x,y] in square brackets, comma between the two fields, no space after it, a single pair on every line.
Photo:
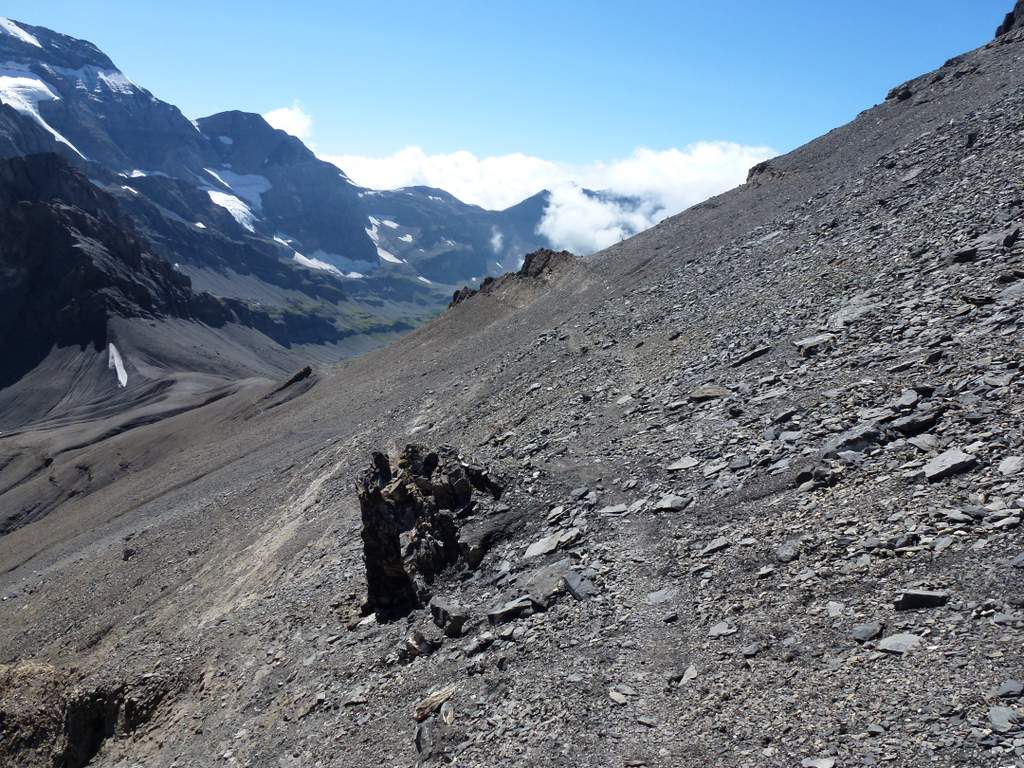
[497,239]
[226,140]
[389,224]
[316,264]
[422,278]
[217,177]
[115,363]
[93,79]
[324,266]
[22,90]
[406,238]
[342,262]
[200,225]
[12,29]
[241,212]
[374,234]
[249,187]
[140,174]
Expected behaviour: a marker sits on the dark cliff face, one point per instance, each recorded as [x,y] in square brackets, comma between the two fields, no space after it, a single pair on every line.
[20,136]
[71,261]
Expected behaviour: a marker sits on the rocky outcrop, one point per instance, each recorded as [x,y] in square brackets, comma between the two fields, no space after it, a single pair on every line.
[536,265]
[543,261]
[1014,19]
[424,497]
[47,719]
[461,295]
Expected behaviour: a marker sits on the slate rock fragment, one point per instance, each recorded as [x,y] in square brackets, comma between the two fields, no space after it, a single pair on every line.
[900,643]
[863,633]
[949,463]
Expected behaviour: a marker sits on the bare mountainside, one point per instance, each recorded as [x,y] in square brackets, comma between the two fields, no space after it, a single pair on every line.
[756,501]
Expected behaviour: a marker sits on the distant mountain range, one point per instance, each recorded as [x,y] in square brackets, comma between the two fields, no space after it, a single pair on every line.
[142,217]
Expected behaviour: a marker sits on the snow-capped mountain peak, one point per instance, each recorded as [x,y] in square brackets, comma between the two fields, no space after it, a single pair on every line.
[10,28]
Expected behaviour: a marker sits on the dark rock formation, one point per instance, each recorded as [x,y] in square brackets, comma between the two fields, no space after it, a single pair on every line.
[1013,20]
[544,260]
[426,495]
[535,266]
[461,295]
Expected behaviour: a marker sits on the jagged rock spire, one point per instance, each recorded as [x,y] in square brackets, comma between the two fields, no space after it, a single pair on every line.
[1014,19]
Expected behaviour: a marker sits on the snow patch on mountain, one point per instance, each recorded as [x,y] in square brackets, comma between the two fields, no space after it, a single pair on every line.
[217,177]
[93,79]
[116,363]
[390,257]
[140,174]
[421,278]
[351,267]
[406,238]
[10,28]
[324,266]
[250,187]
[22,90]
[239,211]
[389,224]
[316,264]
[373,231]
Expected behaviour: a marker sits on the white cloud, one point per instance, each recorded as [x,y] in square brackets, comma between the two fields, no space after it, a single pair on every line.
[497,240]
[294,120]
[492,182]
[663,182]
[584,224]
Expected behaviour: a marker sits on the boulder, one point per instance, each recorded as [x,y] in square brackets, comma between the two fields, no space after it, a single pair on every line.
[425,496]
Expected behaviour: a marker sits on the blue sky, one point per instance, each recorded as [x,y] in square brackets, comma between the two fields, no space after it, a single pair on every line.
[572,81]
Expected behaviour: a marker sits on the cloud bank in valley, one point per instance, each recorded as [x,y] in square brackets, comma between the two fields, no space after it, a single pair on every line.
[642,189]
